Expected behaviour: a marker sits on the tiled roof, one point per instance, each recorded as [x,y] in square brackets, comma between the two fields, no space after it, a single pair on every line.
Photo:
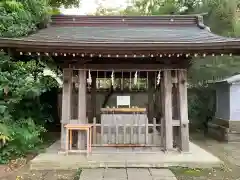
[164,33]
[151,33]
[230,80]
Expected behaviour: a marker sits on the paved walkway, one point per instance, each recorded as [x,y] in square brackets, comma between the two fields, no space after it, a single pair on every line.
[127,174]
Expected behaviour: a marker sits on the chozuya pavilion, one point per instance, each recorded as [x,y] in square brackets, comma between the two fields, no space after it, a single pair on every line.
[124,78]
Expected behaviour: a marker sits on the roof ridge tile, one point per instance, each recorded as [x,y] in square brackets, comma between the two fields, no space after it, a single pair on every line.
[80,20]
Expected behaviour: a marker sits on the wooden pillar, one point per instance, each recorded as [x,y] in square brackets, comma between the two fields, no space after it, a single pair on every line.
[150,96]
[158,104]
[82,106]
[66,103]
[183,110]
[167,81]
[176,114]
[163,143]
[93,99]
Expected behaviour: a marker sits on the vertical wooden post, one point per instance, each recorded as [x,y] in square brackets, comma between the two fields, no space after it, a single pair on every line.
[183,110]
[102,134]
[158,109]
[154,142]
[94,131]
[162,119]
[82,103]
[146,131]
[66,104]
[109,135]
[150,96]
[116,134]
[176,114]
[93,99]
[132,134]
[167,81]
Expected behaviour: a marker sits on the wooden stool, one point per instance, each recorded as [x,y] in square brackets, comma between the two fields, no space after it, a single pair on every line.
[79,127]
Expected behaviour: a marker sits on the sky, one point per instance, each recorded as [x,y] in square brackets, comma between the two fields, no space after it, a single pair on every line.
[89,6]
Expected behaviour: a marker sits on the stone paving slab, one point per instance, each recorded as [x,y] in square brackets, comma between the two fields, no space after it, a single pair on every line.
[161,173]
[113,173]
[127,174]
[92,174]
[138,173]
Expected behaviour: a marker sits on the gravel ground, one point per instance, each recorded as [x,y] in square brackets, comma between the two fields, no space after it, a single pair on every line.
[26,174]
[227,152]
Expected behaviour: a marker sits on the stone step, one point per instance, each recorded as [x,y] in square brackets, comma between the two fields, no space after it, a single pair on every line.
[233,137]
[63,166]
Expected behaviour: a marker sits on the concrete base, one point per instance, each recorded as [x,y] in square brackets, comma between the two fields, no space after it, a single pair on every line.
[218,132]
[155,158]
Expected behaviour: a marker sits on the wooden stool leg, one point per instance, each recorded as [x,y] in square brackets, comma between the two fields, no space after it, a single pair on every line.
[87,142]
[67,139]
[90,140]
[70,143]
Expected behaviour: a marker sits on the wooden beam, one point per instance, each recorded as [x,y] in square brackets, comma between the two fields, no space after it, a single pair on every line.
[126,67]
[113,59]
[106,48]
[183,107]
[66,103]
[167,80]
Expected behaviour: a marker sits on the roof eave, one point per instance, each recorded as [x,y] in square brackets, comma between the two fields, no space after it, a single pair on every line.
[173,47]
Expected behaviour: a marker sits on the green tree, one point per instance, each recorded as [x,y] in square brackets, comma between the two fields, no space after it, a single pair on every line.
[155,7]
[19,18]
[65,3]
[22,82]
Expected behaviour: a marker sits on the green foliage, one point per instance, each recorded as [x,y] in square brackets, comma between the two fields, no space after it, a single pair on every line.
[78,174]
[156,7]
[4,134]
[22,114]
[65,3]
[220,13]
[55,11]
[24,138]
[201,101]
[21,17]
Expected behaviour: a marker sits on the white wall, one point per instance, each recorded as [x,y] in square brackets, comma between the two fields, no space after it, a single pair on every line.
[235,102]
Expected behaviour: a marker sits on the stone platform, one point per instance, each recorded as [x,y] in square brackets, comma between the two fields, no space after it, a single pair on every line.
[124,158]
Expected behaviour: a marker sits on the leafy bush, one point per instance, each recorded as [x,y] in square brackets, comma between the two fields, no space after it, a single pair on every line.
[22,114]
[21,17]
[24,137]
[4,135]
[201,105]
